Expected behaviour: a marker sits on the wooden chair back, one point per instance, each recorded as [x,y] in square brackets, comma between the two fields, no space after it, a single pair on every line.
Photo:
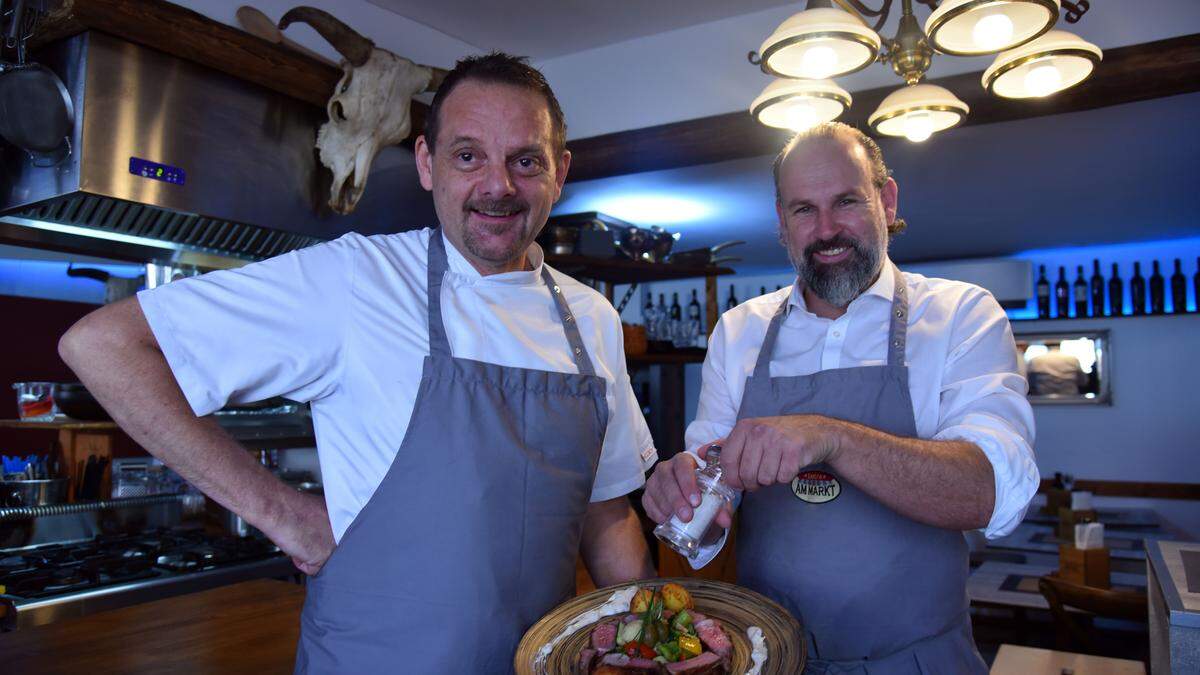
[1061,594]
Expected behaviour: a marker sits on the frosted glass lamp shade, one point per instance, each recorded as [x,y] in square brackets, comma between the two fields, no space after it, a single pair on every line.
[974,27]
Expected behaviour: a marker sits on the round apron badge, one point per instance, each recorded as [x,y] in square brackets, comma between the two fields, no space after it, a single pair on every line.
[816,487]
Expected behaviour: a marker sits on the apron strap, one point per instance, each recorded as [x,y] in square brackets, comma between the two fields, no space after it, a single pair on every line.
[579,351]
[897,331]
[439,344]
[762,367]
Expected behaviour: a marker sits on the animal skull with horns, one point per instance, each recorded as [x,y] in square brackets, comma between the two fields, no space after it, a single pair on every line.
[369,107]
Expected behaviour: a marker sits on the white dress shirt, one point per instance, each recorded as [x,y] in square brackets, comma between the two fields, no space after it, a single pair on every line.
[962,364]
[344,325]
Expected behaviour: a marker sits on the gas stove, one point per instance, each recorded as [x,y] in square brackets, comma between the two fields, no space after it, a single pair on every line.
[50,582]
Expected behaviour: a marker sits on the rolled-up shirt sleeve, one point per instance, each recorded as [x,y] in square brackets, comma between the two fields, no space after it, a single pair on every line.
[983,402]
[272,328]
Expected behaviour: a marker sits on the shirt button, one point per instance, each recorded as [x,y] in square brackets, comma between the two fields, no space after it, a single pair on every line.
[577,350]
[837,333]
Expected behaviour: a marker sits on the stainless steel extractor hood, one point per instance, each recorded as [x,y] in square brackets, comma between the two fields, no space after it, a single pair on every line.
[171,160]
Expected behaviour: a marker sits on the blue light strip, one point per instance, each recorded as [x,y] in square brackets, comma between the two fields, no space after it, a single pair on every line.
[1124,255]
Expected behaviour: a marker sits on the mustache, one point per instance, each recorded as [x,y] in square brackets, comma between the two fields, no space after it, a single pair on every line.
[836,242]
[513,204]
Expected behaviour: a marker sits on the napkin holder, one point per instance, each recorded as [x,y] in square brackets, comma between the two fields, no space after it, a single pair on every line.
[1068,519]
[1084,566]
[1056,498]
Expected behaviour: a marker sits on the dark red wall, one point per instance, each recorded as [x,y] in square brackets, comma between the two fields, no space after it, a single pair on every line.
[29,332]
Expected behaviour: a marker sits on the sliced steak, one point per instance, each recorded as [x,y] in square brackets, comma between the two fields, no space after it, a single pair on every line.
[604,636]
[612,664]
[714,637]
[586,658]
[707,663]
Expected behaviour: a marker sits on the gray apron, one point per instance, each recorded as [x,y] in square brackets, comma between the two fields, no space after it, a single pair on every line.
[876,591]
[473,534]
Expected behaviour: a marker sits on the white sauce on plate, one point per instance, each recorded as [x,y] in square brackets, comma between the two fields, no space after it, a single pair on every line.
[617,603]
[758,649]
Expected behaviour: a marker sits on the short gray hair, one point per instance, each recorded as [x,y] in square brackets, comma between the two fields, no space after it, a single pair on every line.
[833,130]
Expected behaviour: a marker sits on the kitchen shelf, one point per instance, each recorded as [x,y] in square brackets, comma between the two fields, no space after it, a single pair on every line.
[64,423]
[1073,319]
[625,271]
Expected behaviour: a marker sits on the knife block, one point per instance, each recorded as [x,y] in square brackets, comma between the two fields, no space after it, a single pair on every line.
[1088,567]
[1067,519]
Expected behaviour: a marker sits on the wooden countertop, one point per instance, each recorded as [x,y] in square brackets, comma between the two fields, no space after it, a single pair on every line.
[251,627]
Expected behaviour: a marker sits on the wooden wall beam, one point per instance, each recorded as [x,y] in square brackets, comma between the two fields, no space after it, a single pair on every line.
[1121,488]
[1127,74]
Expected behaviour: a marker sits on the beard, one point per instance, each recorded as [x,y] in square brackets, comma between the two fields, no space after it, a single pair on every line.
[501,243]
[838,283]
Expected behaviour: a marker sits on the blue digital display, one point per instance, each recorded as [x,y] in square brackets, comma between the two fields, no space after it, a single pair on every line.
[155,171]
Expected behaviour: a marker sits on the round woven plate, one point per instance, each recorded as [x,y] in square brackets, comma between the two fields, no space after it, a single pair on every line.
[736,608]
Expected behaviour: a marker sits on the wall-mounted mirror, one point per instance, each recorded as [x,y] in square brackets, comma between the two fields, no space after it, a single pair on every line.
[1066,367]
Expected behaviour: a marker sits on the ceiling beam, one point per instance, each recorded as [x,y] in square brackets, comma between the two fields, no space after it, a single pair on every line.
[1127,74]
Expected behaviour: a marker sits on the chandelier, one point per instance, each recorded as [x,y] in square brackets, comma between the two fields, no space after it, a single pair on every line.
[823,42]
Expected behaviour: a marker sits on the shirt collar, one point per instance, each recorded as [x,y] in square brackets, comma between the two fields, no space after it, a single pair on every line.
[461,267]
[884,287]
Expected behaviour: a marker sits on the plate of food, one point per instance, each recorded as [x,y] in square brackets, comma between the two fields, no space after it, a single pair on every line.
[677,626]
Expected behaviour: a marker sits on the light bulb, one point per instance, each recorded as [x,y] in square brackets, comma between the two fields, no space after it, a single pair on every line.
[818,62]
[993,32]
[1043,80]
[918,126]
[801,116]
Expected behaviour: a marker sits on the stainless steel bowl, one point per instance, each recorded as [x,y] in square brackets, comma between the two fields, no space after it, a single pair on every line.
[33,492]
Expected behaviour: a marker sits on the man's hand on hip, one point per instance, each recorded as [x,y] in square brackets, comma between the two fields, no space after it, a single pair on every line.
[305,533]
[764,451]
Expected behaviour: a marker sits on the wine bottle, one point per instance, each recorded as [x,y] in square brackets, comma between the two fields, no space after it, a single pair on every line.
[1137,290]
[1097,285]
[732,301]
[1158,295]
[1116,294]
[676,309]
[1081,294]
[1196,285]
[1062,293]
[1178,289]
[664,319]
[762,290]
[648,316]
[694,307]
[1043,294]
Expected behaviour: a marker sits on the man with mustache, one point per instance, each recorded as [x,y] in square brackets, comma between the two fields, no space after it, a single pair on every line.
[871,416]
[475,423]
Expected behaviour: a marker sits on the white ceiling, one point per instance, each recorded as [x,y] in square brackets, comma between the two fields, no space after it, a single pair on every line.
[543,29]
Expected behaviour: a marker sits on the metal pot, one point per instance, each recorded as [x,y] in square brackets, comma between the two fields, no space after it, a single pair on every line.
[33,492]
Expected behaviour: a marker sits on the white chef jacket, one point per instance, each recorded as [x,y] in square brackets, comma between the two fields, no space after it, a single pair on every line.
[343,325]
[960,354]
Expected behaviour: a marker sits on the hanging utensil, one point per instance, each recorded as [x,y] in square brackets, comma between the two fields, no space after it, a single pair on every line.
[36,112]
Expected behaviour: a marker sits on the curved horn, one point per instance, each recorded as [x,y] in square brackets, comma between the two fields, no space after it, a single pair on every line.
[354,47]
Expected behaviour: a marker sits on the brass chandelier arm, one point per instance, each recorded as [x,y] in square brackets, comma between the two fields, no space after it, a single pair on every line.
[858,9]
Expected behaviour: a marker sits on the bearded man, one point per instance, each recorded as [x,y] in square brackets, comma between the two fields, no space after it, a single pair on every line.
[871,416]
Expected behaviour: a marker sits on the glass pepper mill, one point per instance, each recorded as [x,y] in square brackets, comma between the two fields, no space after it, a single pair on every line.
[685,538]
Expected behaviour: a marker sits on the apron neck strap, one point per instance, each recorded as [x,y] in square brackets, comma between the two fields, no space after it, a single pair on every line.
[439,344]
[897,331]
[579,351]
